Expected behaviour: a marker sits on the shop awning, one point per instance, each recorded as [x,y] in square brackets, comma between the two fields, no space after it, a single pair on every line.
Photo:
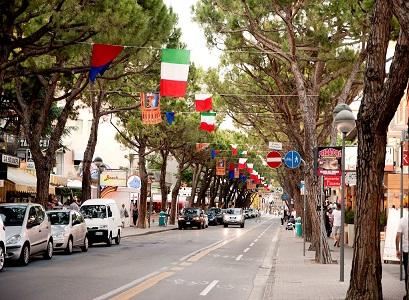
[23,181]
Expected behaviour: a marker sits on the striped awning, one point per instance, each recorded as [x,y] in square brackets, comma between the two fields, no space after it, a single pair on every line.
[23,181]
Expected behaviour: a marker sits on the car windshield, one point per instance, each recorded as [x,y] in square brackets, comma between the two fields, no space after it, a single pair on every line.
[234,211]
[59,217]
[13,215]
[94,211]
[215,210]
[191,211]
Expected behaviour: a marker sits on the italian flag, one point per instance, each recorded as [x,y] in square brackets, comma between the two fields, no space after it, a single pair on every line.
[207,121]
[173,72]
[234,150]
[249,168]
[203,102]
[242,163]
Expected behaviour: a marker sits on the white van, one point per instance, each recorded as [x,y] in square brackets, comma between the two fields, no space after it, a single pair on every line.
[103,221]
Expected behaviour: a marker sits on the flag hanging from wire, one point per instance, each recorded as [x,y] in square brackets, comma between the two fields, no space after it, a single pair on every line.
[150,108]
[101,58]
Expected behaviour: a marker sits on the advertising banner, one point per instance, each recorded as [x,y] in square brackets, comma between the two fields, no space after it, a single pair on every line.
[113,178]
[330,181]
[221,167]
[329,161]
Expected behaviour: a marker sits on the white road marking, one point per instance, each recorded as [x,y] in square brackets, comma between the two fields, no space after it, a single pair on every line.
[251,245]
[245,250]
[209,288]
[256,240]
[239,257]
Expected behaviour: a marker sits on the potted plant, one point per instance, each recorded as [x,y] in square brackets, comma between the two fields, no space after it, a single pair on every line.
[349,220]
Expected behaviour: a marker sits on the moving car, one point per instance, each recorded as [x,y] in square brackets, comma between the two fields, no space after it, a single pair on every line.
[191,217]
[2,243]
[68,229]
[233,216]
[218,213]
[28,231]
[103,221]
[212,218]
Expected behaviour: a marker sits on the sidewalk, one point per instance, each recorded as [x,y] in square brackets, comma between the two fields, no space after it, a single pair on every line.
[155,228]
[299,277]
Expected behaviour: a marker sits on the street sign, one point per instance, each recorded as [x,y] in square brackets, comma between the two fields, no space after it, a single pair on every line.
[405,160]
[275,145]
[331,181]
[292,159]
[274,159]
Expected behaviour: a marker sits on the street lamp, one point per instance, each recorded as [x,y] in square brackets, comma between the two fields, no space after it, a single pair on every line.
[344,121]
[101,166]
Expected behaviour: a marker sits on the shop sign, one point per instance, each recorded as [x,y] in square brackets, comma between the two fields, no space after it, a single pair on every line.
[44,143]
[221,167]
[114,178]
[329,161]
[10,160]
[330,181]
[350,178]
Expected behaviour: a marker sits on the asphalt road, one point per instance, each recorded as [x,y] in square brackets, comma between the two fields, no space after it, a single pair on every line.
[215,263]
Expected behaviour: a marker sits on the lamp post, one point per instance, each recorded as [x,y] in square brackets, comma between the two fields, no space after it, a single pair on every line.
[101,166]
[345,122]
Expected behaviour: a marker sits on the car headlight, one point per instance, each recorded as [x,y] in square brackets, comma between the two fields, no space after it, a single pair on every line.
[196,218]
[15,239]
[103,227]
[181,218]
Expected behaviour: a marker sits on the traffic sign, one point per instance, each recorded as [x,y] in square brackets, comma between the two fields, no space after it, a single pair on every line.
[292,159]
[274,159]
[275,145]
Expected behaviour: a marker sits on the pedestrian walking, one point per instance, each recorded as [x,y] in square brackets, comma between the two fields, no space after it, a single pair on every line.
[123,214]
[282,217]
[135,214]
[329,219]
[74,205]
[336,228]
[403,230]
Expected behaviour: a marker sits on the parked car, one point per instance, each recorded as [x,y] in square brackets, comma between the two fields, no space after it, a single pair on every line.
[191,217]
[247,214]
[218,213]
[234,216]
[212,218]
[103,221]
[28,231]
[68,229]
[2,243]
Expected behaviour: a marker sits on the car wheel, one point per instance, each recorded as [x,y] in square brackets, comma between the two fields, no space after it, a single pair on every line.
[25,255]
[109,240]
[226,225]
[49,251]
[68,249]
[242,225]
[118,238]
[84,248]
[2,258]
[180,227]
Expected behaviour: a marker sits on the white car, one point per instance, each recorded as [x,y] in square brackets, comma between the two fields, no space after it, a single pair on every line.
[68,229]
[28,231]
[2,243]
[233,216]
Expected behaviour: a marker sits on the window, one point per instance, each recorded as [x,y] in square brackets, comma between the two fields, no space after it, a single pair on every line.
[109,211]
[40,214]
[74,218]
[14,215]
[94,211]
[59,218]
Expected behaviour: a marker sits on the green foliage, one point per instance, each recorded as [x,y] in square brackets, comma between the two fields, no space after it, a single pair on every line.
[349,216]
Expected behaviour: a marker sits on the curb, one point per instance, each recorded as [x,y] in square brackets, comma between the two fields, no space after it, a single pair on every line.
[148,232]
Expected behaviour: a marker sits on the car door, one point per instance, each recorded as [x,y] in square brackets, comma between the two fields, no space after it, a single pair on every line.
[74,227]
[43,227]
[82,228]
[33,230]
[111,223]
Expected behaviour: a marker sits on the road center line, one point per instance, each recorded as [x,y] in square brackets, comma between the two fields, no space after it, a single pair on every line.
[245,250]
[251,245]
[209,288]
[239,257]
[256,240]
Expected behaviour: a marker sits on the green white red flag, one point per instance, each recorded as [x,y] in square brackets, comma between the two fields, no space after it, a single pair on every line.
[208,121]
[174,72]
[203,102]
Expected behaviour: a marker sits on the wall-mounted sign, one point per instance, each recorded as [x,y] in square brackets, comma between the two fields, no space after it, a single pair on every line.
[275,145]
[10,160]
[221,167]
[329,161]
[113,178]
[330,181]
[44,143]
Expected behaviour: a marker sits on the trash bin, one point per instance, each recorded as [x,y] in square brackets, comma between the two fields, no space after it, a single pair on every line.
[162,218]
[298,228]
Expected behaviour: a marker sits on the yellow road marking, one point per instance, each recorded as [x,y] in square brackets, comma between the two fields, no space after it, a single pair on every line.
[201,254]
[142,286]
[176,268]
[185,264]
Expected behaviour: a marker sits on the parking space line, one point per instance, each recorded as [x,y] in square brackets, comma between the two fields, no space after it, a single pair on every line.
[239,257]
[245,250]
[209,288]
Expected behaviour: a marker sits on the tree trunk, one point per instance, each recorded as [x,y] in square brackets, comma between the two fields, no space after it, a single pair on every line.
[143,174]
[195,182]
[87,159]
[43,170]
[163,188]
[175,193]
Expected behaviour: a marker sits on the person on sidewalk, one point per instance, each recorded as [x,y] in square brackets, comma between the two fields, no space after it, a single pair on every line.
[135,214]
[329,220]
[403,229]
[336,228]
[124,214]
[74,205]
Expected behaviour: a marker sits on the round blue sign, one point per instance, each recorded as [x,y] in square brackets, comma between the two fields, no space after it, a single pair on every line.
[292,159]
[134,182]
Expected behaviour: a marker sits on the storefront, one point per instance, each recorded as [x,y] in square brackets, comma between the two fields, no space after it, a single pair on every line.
[392,183]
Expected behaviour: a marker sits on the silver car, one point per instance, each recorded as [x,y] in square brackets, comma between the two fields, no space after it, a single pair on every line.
[233,216]
[28,231]
[68,229]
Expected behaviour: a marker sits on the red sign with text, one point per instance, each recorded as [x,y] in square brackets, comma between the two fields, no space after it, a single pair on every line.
[332,181]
